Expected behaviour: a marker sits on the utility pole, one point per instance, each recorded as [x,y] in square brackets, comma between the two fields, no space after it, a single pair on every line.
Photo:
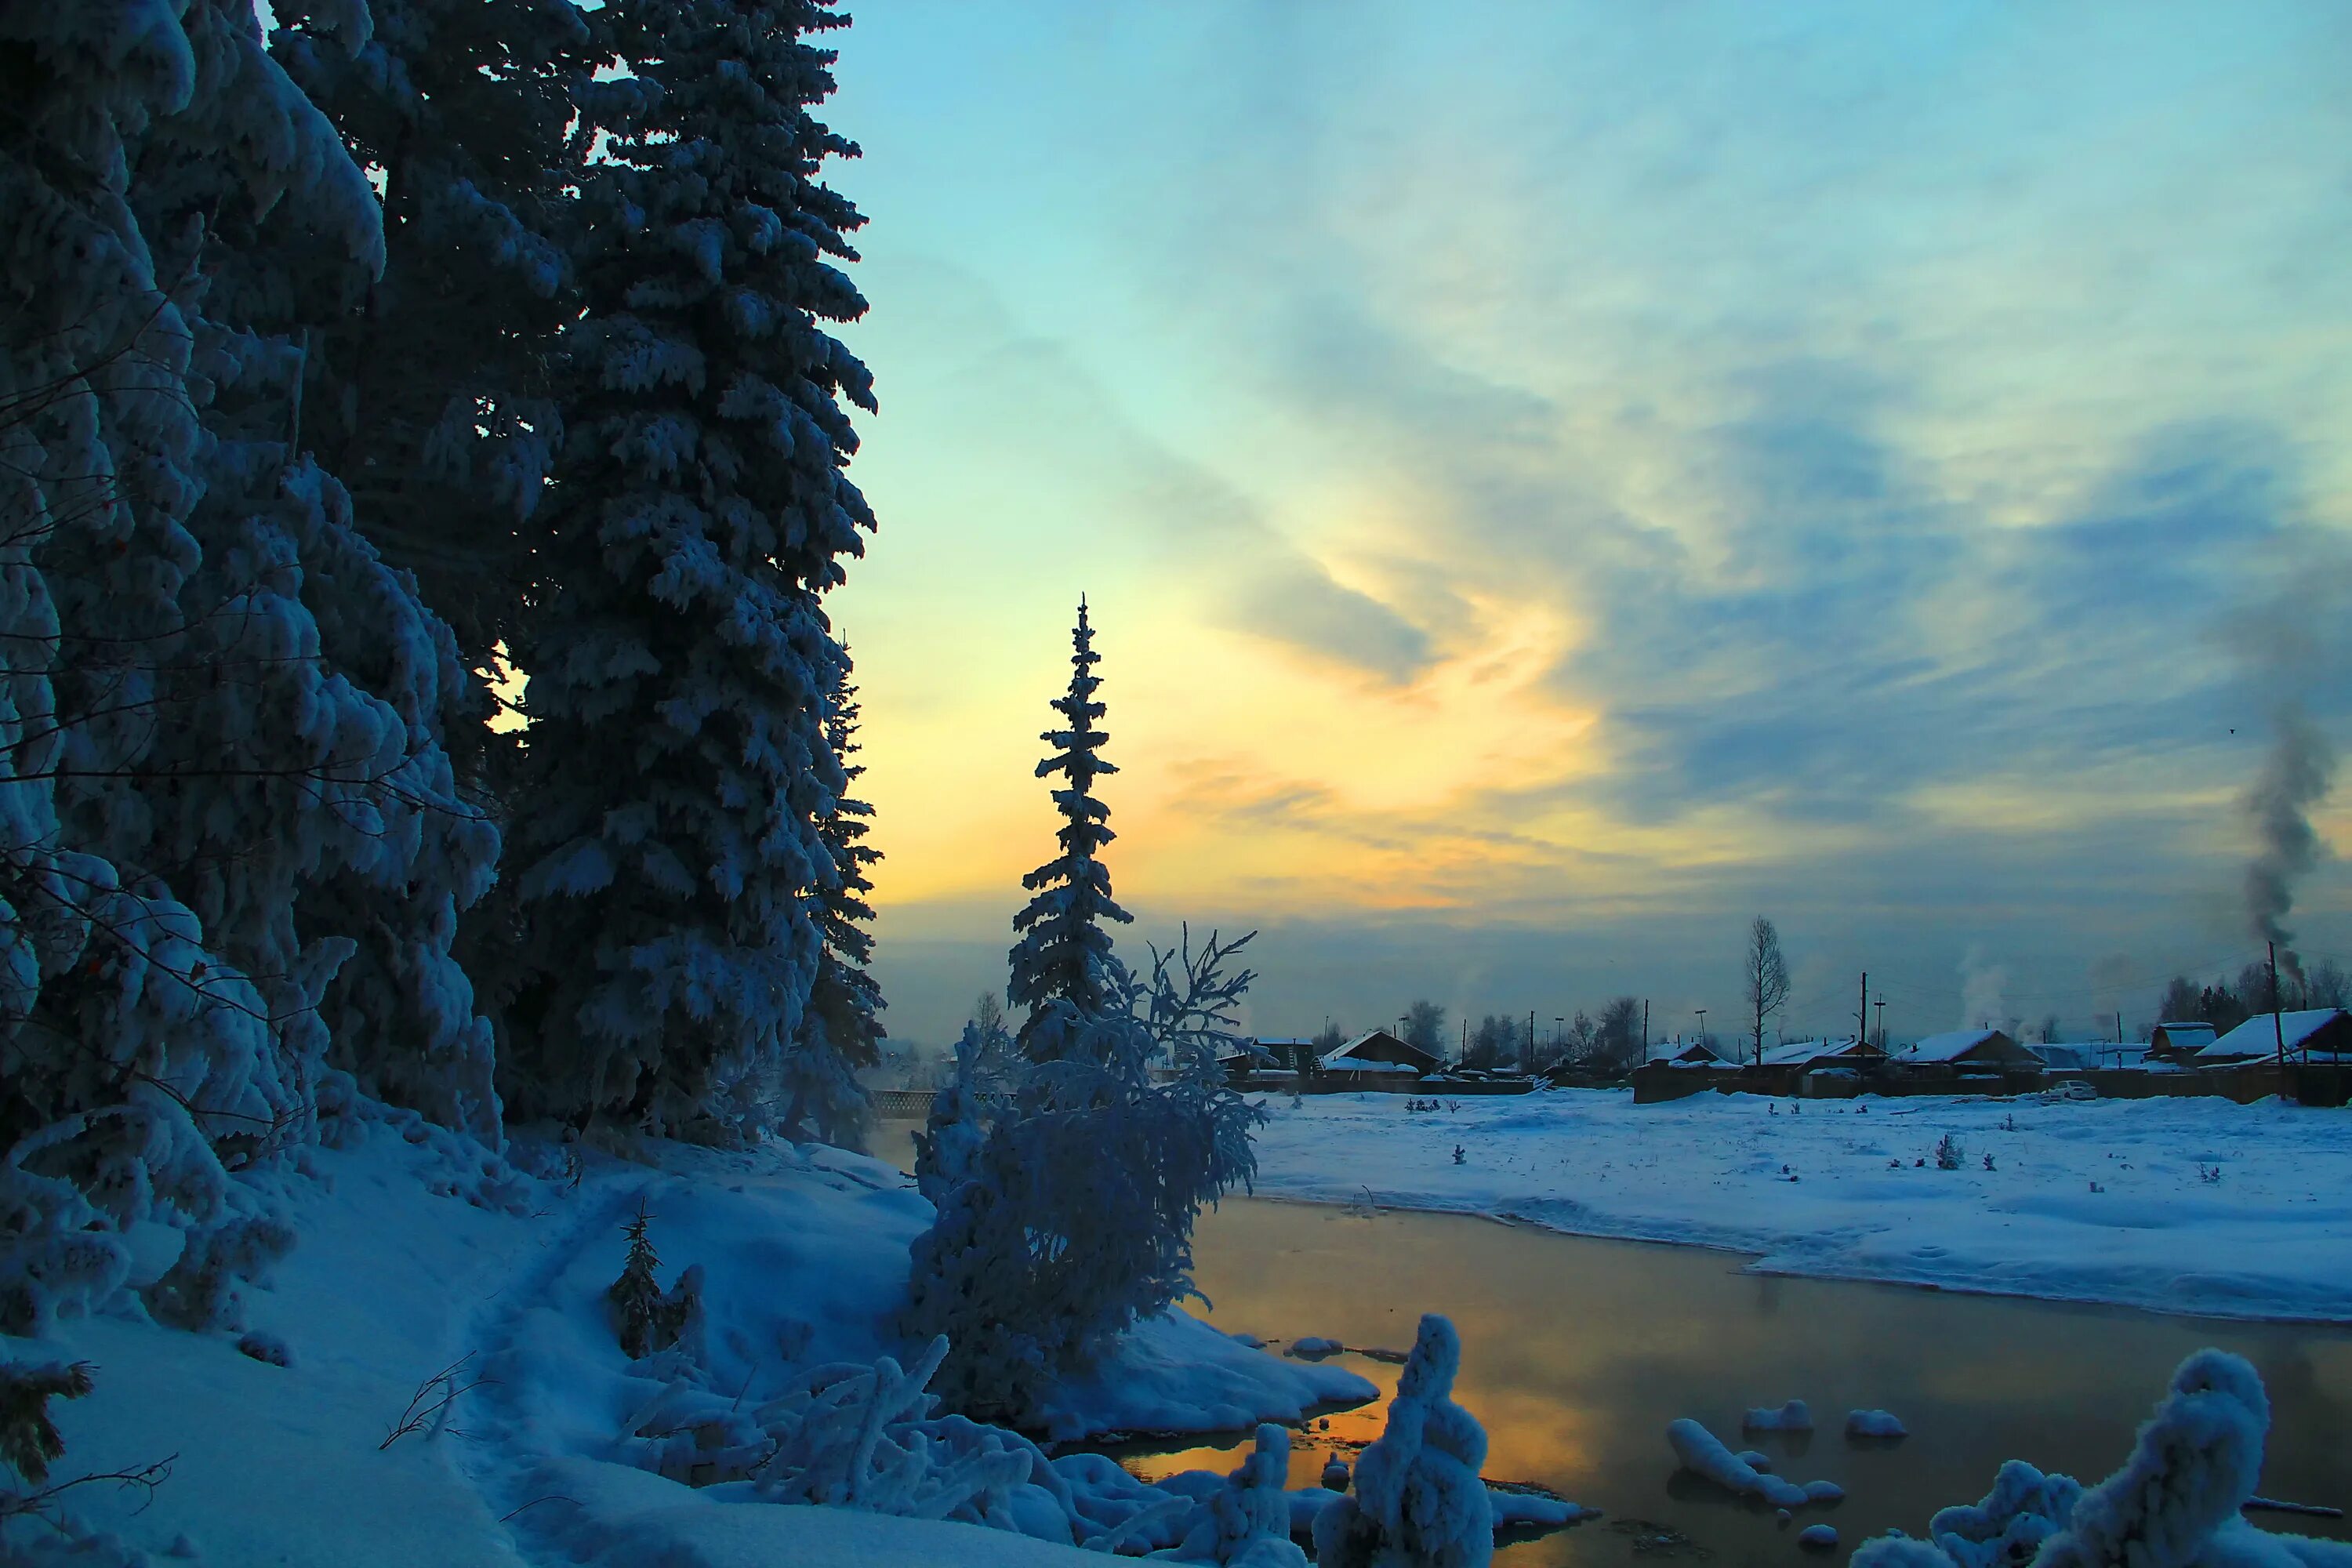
[1882,1023]
[1645,1028]
[2278,1025]
[1862,1019]
[1702,1027]
[1527,1063]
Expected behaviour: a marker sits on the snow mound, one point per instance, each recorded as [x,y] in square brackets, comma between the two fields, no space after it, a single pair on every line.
[1818,1537]
[1314,1347]
[1874,1424]
[1703,1454]
[1794,1416]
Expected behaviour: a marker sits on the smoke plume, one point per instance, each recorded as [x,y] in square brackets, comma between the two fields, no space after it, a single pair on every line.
[2295,776]
[1982,985]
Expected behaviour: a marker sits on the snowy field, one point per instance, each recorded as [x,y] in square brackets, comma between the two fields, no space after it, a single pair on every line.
[2186,1205]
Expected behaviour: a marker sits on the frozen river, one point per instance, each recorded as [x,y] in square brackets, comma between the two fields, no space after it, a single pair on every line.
[1578,1352]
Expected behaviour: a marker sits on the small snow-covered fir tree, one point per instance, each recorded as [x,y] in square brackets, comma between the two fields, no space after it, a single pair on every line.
[841,1029]
[1064,954]
[1419,1501]
[678,765]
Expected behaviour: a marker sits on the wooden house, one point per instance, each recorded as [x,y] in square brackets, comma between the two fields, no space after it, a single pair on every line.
[1966,1051]
[2324,1033]
[1376,1059]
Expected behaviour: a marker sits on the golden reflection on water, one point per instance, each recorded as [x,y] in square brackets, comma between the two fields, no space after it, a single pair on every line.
[1578,1352]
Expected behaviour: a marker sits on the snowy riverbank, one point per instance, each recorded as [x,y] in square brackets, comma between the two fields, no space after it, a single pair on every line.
[2186,1205]
[804,1261]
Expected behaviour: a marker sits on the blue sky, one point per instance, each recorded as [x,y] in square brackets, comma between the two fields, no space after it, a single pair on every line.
[1557,480]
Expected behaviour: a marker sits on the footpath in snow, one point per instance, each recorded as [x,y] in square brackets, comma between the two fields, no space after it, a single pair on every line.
[2184,1205]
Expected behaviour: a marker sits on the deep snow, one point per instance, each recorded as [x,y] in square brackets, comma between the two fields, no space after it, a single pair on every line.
[2178,1204]
[804,1257]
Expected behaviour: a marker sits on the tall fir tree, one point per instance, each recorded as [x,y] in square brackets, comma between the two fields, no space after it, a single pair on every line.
[1062,953]
[841,1030]
[677,765]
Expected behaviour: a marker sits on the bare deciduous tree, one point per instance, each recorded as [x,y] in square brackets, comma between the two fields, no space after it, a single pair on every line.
[1768,977]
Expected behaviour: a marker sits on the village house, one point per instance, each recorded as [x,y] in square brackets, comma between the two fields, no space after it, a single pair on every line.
[2179,1041]
[1965,1051]
[1376,1059]
[2324,1033]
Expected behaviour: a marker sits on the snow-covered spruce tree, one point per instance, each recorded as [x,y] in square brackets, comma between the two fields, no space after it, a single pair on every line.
[130,1055]
[307,803]
[677,765]
[1073,1216]
[234,804]
[1063,954]
[1419,1501]
[841,1028]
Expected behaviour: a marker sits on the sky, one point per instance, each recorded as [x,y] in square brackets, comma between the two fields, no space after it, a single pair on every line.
[1554,481]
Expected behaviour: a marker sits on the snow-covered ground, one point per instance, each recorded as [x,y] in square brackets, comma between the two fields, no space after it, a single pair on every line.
[805,1256]
[2179,1205]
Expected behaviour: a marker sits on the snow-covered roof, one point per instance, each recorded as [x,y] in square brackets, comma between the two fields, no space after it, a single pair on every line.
[2257,1036]
[2188,1035]
[1349,1058]
[1796,1052]
[1951,1047]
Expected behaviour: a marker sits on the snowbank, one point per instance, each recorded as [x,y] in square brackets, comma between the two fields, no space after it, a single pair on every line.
[393,1291]
[2095,1201]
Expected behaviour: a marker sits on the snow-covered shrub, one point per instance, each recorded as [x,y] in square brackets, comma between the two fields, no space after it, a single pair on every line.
[1419,1501]
[860,1441]
[841,1435]
[1074,1217]
[946,1149]
[203,1288]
